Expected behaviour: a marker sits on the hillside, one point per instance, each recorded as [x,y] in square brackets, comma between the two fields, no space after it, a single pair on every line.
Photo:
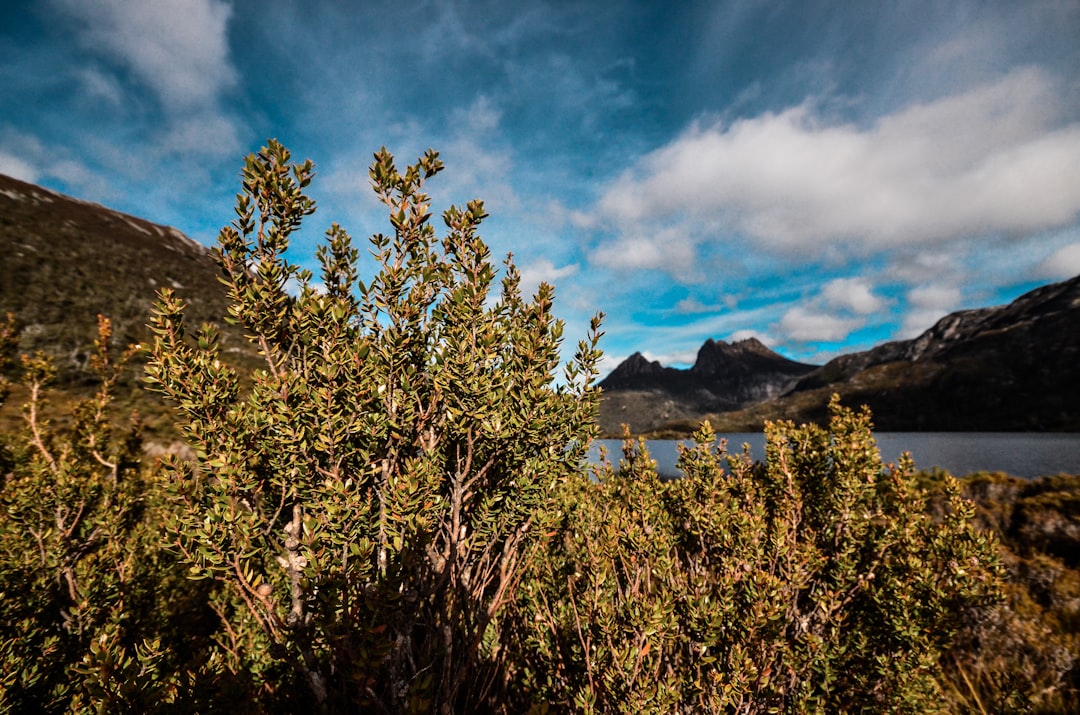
[1007,368]
[64,261]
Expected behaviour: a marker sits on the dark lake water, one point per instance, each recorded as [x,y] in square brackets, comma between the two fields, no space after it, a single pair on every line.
[1024,455]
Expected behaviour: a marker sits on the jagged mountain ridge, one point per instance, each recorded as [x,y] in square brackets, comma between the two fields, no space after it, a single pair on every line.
[1007,368]
[724,376]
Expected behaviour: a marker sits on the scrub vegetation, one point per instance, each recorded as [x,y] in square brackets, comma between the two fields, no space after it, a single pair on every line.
[393,513]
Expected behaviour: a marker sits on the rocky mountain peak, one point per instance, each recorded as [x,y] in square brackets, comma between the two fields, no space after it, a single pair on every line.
[717,357]
[637,365]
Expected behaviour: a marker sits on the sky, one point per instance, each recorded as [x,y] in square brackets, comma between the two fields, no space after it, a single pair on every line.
[821,175]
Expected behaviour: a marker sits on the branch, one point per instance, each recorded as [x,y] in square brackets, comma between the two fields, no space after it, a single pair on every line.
[32,420]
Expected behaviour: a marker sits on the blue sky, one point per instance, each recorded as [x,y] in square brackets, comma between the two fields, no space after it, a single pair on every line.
[824,176]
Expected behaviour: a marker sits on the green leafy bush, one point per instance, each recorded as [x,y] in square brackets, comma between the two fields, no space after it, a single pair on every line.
[368,501]
[815,582]
[393,514]
[90,605]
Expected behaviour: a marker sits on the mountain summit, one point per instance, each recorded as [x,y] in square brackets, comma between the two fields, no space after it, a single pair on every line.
[725,376]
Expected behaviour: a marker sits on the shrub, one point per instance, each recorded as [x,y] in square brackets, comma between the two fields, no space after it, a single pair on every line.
[393,514]
[366,503]
[815,582]
[89,604]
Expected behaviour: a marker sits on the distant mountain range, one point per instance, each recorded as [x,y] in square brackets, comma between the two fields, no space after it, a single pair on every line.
[646,395]
[1008,368]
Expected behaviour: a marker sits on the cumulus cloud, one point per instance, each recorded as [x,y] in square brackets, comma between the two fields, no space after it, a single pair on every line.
[992,159]
[854,294]
[928,304]
[671,249]
[840,307]
[177,47]
[806,325]
[543,271]
[1062,263]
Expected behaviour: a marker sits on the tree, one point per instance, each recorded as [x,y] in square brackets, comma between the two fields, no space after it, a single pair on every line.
[366,499]
[815,582]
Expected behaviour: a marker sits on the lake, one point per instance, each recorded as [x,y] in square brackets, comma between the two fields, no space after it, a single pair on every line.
[1025,455]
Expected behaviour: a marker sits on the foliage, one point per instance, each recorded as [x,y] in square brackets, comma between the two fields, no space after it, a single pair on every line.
[816,582]
[366,504]
[83,619]
[1024,654]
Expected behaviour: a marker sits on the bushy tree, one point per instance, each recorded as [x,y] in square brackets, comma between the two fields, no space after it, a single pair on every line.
[815,582]
[367,497]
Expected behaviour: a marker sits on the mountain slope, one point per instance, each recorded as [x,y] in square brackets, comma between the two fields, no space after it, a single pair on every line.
[64,261]
[1008,368]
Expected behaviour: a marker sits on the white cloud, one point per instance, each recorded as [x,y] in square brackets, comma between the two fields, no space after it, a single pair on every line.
[26,157]
[673,359]
[669,249]
[481,116]
[806,325]
[479,166]
[18,168]
[1063,263]
[840,307]
[989,160]
[854,294]
[178,47]
[928,304]
[202,134]
[544,271]
[691,305]
[934,296]
[747,334]
[924,265]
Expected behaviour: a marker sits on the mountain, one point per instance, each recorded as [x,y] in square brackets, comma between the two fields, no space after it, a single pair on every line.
[725,376]
[63,261]
[1007,368]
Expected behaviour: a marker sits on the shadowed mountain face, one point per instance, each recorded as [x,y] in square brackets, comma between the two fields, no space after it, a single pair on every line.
[1008,368]
[725,376]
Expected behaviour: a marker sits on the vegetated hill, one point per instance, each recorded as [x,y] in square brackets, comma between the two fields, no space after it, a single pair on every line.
[64,261]
[1008,368]
[725,376]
